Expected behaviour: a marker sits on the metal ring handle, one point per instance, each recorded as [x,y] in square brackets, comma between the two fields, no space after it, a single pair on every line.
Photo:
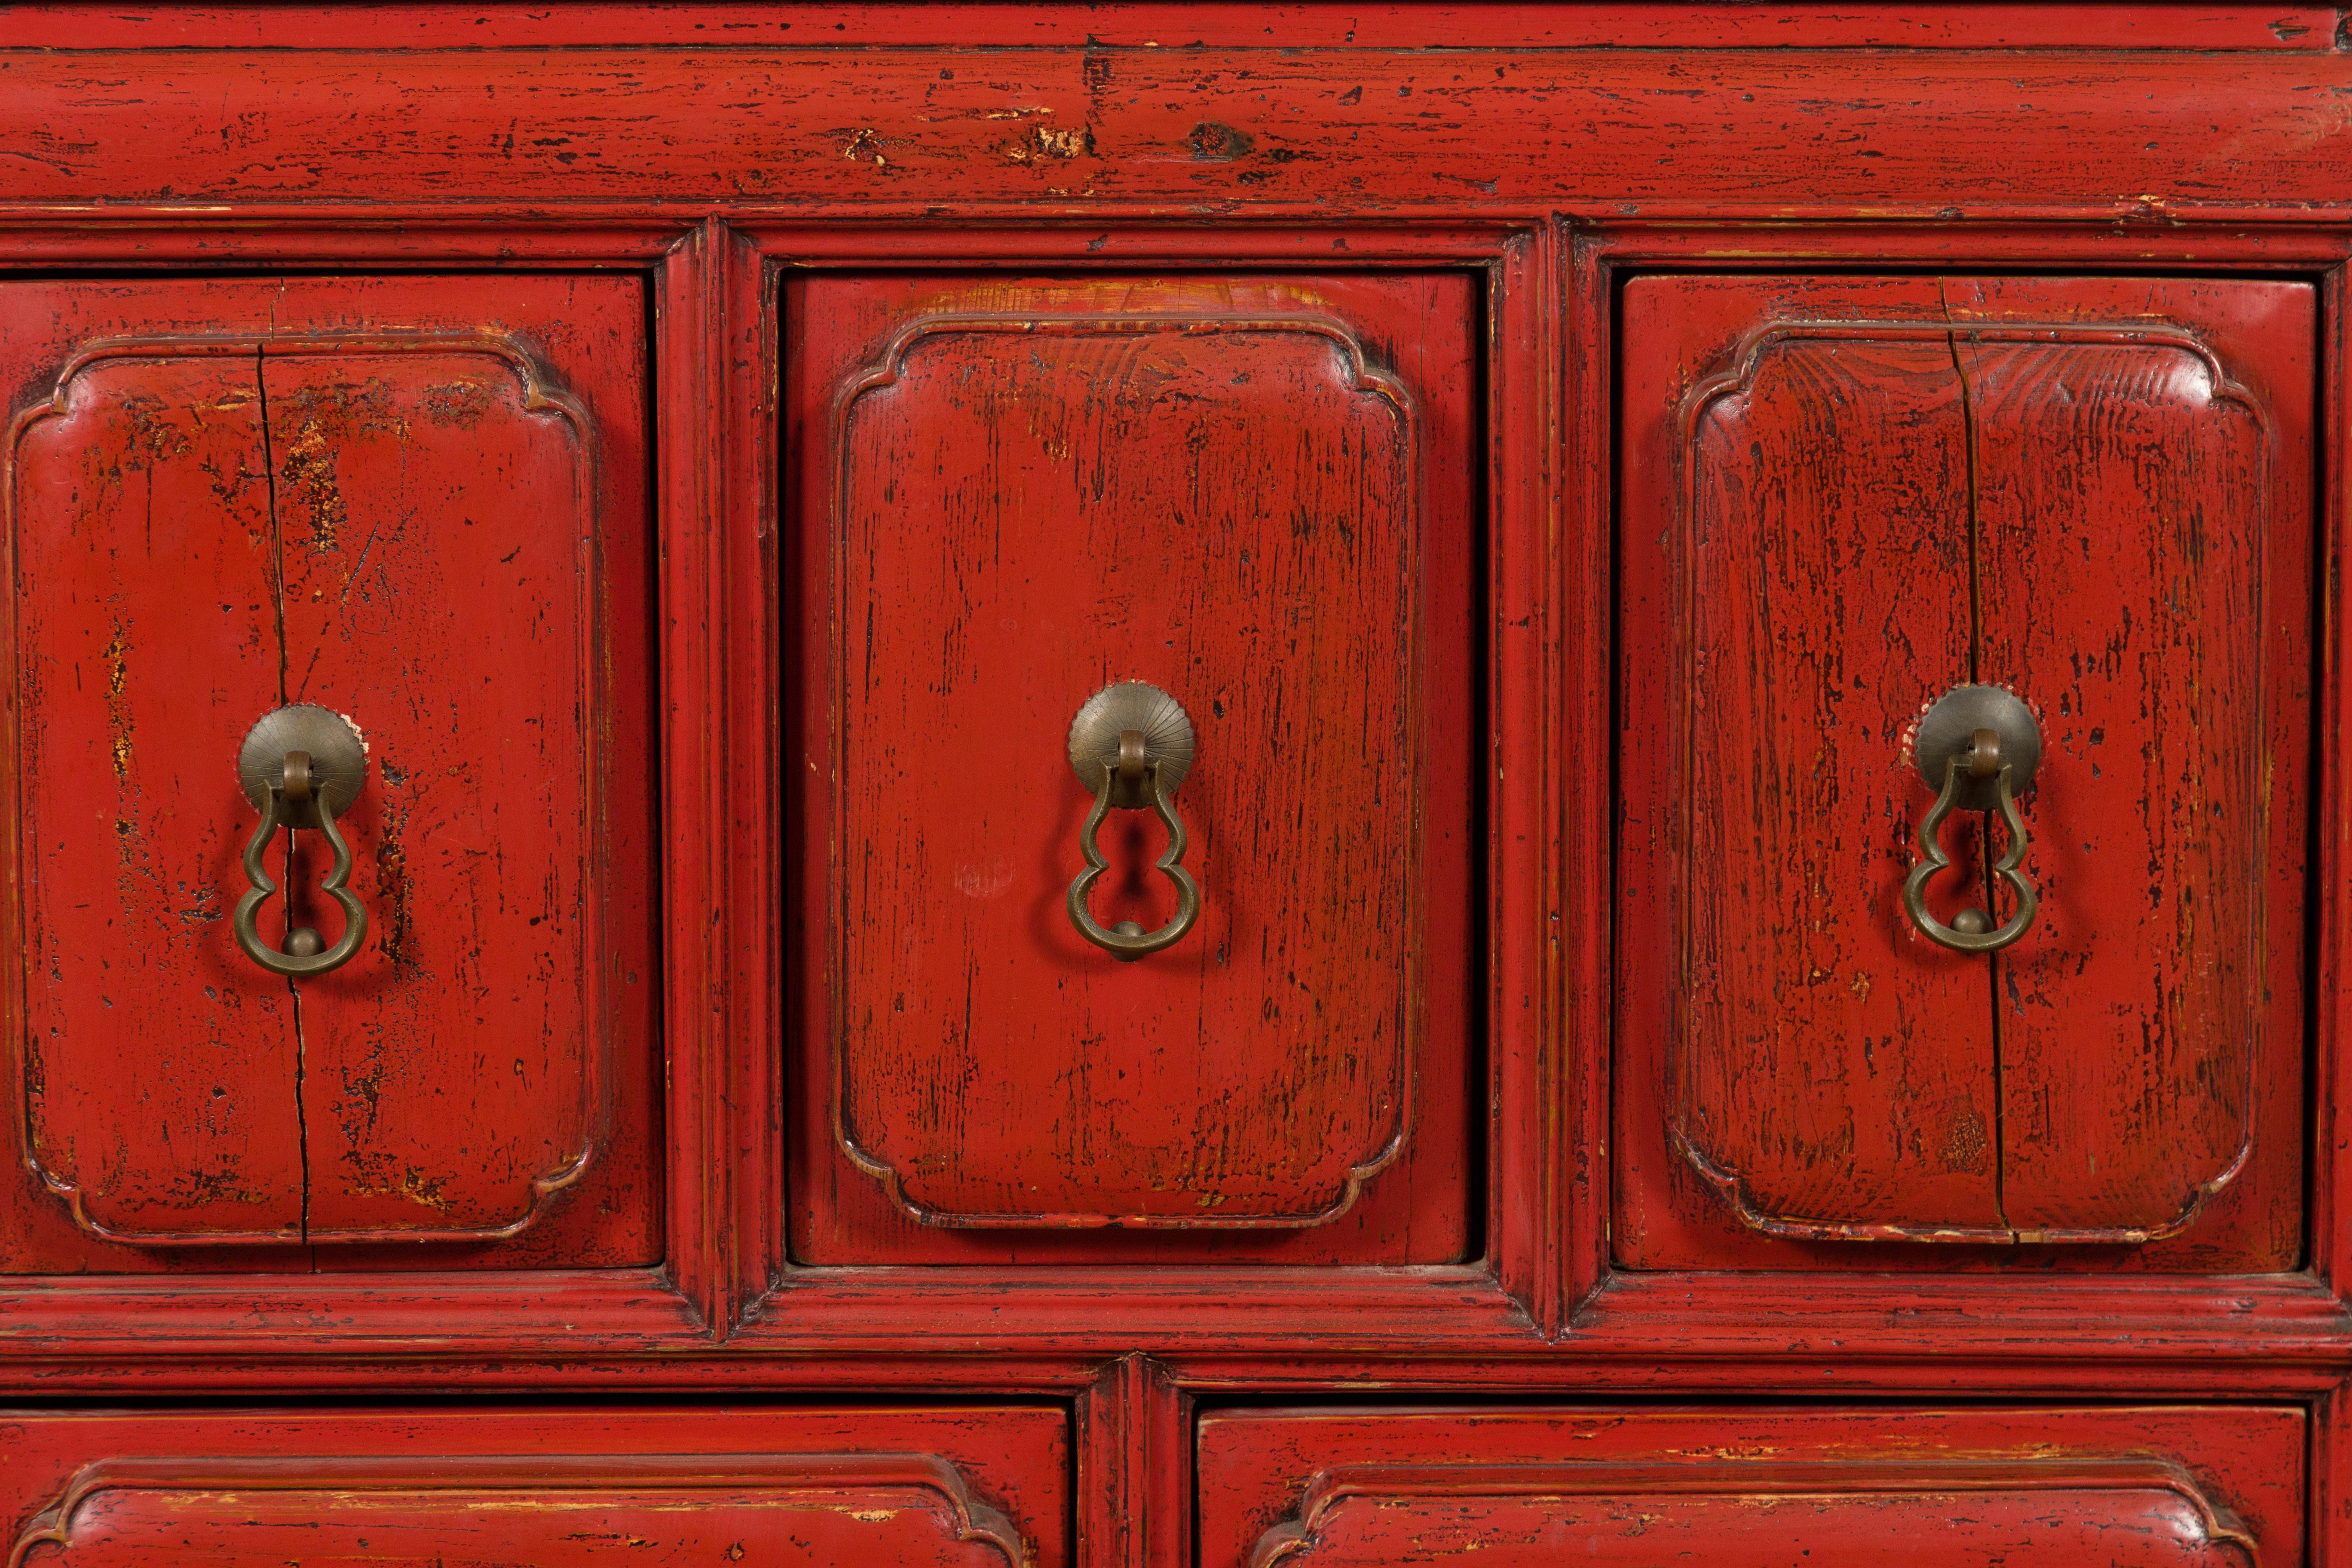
[1932,860]
[1127,942]
[302,765]
[1131,744]
[248,908]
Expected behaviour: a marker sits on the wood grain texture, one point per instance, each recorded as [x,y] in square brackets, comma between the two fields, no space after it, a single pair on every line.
[1825,1079]
[1351,146]
[900,1511]
[1134,1467]
[409,527]
[2121,1064]
[1119,558]
[136,481]
[503,24]
[1764,1489]
[910,1488]
[439,558]
[1761,1515]
[1042,489]
[2140,580]
[1336,132]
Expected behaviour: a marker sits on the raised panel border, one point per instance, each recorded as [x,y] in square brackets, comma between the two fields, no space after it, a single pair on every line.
[1364,378]
[1739,376]
[522,1473]
[540,395]
[1381,1483]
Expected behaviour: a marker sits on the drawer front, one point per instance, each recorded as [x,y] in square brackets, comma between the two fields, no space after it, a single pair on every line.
[1754,1489]
[901,1489]
[1845,499]
[1254,496]
[418,506]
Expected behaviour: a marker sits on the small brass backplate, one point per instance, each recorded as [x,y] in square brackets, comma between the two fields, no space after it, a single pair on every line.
[1949,729]
[339,761]
[1137,705]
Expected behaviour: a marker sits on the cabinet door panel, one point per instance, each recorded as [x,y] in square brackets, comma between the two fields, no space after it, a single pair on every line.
[1845,497]
[1237,493]
[910,1488]
[1754,1489]
[354,494]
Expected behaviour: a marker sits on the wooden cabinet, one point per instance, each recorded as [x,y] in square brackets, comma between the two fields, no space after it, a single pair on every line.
[1174,787]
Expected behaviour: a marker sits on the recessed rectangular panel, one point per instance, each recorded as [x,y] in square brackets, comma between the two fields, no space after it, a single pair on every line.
[1848,498]
[359,496]
[2189,1489]
[909,1489]
[1252,497]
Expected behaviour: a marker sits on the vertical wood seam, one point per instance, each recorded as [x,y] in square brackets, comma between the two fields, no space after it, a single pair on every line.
[285,905]
[1968,446]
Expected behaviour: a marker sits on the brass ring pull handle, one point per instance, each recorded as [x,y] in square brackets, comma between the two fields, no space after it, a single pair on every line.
[1131,744]
[302,766]
[1981,746]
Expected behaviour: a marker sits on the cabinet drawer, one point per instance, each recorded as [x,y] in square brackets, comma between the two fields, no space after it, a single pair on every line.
[1256,496]
[1766,1489]
[825,1489]
[2087,502]
[411,511]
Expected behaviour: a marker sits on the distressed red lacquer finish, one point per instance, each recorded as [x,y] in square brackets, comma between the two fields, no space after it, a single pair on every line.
[1251,494]
[1755,368]
[912,1489]
[1722,24]
[356,497]
[1849,497]
[1477,125]
[1759,1488]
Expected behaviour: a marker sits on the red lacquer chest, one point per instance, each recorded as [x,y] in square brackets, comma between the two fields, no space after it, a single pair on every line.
[1174,787]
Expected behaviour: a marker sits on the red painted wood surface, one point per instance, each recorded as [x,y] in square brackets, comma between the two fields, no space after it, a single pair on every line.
[517,24]
[1758,1516]
[358,506]
[1757,1488]
[636,145]
[819,1510]
[1866,492]
[905,1488]
[131,823]
[1251,494]
[1334,133]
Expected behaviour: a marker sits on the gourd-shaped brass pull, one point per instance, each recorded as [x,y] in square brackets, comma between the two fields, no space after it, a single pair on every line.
[1978,747]
[1131,744]
[302,766]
